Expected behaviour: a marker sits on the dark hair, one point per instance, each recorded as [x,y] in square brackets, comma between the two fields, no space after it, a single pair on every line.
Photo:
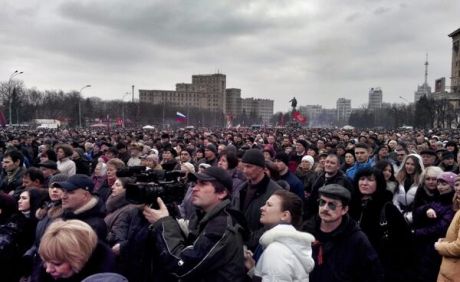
[35,200]
[51,154]
[379,178]
[35,174]
[273,169]
[15,156]
[232,159]
[219,187]
[362,146]
[292,203]
[68,150]
[382,164]
[125,180]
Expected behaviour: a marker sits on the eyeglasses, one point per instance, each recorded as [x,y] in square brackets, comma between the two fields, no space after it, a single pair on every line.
[330,205]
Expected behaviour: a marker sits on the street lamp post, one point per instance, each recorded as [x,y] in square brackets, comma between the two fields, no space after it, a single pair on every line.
[10,92]
[123,109]
[79,104]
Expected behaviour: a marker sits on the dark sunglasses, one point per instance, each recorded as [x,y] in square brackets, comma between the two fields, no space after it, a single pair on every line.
[330,205]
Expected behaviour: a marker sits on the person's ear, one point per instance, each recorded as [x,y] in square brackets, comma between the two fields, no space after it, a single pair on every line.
[222,195]
[286,217]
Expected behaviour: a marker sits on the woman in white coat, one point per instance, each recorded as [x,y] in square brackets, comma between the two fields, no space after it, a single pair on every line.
[409,178]
[287,253]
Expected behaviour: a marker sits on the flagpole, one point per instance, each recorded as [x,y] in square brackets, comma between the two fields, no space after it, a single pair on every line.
[188,113]
[163,124]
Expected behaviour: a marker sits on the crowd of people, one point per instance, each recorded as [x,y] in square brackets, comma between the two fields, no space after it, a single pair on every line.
[254,205]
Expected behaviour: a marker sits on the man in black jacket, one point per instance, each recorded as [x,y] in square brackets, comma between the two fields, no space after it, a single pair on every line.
[341,251]
[213,248]
[79,203]
[253,194]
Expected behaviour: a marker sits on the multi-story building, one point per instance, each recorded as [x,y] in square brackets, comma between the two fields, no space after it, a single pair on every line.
[209,92]
[261,107]
[234,101]
[205,92]
[455,77]
[375,98]
[264,109]
[343,110]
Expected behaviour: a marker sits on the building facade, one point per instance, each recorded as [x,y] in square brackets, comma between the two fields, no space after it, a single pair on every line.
[455,74]
[343,110]
[233,105]
[209,92]
[205,92]
[375,98]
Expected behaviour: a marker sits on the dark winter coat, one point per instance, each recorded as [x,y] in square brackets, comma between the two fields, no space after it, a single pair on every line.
[138,256]
[11,248]
[264,189]
[213,250]
[295,185]
[94,216]
[427,232]
[367,212]
[308,178]
[117,226]
[7,186]
[104,191]
[344,254]
[82,166]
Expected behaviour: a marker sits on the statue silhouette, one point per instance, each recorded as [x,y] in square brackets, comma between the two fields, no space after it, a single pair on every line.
[293,103]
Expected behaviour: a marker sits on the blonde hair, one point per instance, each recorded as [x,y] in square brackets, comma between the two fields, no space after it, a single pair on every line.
[117,163]
[71,241]
[431,171]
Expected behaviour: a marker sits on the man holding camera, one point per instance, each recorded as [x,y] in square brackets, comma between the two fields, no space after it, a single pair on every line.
[213,248]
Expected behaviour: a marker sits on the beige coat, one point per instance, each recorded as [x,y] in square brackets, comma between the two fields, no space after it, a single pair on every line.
[449,249]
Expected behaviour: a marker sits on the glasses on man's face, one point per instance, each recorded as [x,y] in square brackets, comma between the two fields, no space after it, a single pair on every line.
[330,205]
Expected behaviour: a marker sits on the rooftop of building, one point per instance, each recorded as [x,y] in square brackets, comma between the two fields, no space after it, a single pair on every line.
[455,33]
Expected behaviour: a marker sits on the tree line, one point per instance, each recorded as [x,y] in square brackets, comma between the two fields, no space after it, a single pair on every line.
[425,113]
[28,104]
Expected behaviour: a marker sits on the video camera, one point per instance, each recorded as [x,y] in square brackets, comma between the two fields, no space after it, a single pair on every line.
[150,184]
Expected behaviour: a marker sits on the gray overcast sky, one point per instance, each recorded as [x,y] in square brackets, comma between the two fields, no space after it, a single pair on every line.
[317,51]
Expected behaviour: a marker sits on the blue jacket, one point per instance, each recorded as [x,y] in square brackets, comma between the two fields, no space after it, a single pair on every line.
[351,172]
[295,184]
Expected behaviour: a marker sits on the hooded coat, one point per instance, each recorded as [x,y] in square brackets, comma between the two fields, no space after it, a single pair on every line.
[287,255]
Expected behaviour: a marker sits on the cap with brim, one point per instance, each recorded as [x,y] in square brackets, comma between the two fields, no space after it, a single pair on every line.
[335,191]
[77,181]
[48,164]
[214,174]
[428,152]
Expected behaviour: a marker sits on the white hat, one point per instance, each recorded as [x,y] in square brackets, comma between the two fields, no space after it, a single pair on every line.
[188,167]
[309,159]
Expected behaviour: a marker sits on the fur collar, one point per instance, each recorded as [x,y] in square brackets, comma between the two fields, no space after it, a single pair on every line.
[86,207]
[285,231]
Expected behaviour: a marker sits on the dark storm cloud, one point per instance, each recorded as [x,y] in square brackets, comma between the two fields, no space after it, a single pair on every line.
[269,48]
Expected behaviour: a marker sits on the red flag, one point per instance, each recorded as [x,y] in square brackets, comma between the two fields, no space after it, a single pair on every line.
[299,117]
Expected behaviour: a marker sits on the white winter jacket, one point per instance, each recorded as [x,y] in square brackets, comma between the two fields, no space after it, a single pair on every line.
[403,200]
[287,255]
